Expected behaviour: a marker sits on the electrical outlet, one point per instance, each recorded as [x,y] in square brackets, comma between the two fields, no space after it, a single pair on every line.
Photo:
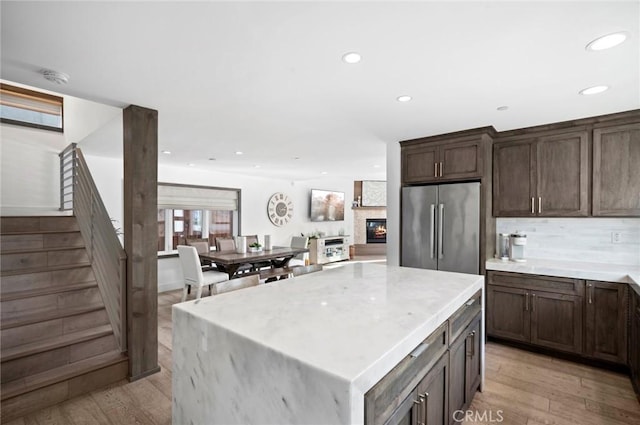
[616,237]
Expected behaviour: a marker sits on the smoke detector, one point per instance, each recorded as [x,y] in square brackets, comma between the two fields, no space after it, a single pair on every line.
[55,76]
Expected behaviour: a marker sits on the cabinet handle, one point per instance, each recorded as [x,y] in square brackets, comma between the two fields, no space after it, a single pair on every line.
[470,302]
[419,350]
[539,204]
[472,334]
[589,292]
[533,302]
[441,169]
[435,169]
[422,416]
[533,205]
[425,398]
[526,301]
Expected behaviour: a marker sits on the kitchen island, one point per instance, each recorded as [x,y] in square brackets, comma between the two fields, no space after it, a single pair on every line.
[307,349]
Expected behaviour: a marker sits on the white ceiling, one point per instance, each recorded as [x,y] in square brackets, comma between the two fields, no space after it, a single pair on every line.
[267,78]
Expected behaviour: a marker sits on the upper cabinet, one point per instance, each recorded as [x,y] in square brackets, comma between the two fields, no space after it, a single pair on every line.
[545,175]
[616,170]
[456,156]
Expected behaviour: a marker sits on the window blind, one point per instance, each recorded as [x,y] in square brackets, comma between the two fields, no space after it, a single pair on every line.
[31,108]
[196,197]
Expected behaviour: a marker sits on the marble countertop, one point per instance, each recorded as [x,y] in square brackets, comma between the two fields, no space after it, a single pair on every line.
[573,269]
[350,321]
[342,328]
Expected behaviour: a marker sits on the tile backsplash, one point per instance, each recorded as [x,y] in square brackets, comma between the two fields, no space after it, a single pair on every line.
[578,239]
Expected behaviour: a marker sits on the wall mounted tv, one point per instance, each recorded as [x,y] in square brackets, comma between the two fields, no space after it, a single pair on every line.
[327,205]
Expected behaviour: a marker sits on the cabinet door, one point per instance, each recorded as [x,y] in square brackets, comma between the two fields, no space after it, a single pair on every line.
[434,395]
[556,321]
[508,313]
[457,375]
[514,179]
[474,360]
[407,413]
[616,173]
[461,160]
[606,336]
[420,164]
[563,175]
[634,342]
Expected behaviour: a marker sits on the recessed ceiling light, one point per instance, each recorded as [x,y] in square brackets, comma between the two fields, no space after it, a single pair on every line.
[502,108]
[324,172]
[296,157]
[256,166]
[191,164]
[594,90]
[376,166]
[239,153]
[351,57]
[403,98]
[607,41]
[212,159]
[166,152]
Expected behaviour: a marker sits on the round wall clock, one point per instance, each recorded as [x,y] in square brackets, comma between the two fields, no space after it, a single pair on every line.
[280,209]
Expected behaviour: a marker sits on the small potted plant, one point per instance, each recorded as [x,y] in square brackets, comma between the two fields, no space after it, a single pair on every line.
[255,247]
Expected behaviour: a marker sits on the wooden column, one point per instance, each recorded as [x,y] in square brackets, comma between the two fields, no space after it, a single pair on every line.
[140,238]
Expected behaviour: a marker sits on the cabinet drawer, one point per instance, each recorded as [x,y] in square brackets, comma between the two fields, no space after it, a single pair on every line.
[388,394]
[463,316]
[559,285]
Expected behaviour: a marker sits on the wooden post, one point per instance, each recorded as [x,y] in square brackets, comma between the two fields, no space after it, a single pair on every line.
[140,238]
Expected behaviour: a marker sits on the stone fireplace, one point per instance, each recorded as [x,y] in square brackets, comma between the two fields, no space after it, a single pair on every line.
[360,216]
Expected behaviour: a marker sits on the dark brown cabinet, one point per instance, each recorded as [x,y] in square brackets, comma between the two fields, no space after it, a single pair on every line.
[544,175]
[543,311]
[433,395]
[464,369]
[616,170]
[606,321]
[634,341]
[425,161]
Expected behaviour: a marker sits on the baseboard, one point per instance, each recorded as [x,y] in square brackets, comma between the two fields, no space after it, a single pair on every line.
[171,286]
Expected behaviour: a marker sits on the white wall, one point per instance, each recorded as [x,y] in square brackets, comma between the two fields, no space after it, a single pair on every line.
[393,203]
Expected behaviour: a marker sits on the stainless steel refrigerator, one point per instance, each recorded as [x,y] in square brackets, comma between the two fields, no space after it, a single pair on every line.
[441,227]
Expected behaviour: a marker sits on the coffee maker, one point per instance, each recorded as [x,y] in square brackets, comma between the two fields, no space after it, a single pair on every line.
[517,242]
[502,246]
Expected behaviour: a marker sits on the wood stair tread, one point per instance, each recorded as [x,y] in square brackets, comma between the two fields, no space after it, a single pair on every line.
[16,295]
[58,341]
[32,250]
[59,374]
[29,319]
[45,269]
[38,232]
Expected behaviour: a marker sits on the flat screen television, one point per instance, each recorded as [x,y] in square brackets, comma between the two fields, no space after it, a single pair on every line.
[327,205]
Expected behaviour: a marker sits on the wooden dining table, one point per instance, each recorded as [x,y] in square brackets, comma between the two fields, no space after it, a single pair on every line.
[230,261]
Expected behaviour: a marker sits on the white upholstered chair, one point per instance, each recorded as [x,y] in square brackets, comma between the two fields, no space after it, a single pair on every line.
[193,274]
[237,283]
[299,242]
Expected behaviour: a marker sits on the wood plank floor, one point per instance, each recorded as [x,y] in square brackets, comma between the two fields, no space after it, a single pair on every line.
[522,388]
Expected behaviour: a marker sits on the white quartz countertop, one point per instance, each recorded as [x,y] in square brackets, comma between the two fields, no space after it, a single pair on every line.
[572,269]
[355,322]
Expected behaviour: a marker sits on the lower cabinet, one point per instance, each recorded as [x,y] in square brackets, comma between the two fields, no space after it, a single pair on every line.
[545,318]
[464,369]
[634,342]
[606,321]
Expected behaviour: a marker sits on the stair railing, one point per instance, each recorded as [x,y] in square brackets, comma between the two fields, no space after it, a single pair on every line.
[108,258]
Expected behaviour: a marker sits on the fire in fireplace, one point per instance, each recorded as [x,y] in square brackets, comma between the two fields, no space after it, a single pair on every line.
[376,230]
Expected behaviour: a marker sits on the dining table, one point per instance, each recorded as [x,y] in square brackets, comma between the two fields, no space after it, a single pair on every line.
[230,261]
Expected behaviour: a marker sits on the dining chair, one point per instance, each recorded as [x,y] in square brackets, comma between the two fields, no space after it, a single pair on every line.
[300,270]
[237,283]
[202,246]
[225,244]
[261,264]
[299,242]
[193,274]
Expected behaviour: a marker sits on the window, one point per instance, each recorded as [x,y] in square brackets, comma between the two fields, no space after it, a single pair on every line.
[30,108]
[186,212]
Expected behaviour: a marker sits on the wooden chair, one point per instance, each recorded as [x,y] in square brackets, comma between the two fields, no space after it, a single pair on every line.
[193,274]
[300,270]
[245,281]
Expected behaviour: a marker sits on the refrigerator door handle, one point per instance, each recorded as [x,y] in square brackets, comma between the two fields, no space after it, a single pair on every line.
[440,231]
[432,232]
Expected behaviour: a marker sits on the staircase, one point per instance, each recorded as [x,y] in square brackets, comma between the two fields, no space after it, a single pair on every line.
[55,335]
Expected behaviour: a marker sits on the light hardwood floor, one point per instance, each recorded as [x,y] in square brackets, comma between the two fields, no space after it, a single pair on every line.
[521,388]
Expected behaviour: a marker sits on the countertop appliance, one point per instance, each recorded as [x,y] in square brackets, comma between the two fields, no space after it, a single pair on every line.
[441,227]
[517,242]
[502,246]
